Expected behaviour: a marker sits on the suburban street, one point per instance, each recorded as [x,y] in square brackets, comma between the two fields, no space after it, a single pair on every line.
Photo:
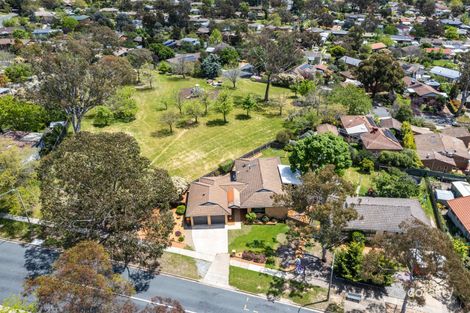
[20,261]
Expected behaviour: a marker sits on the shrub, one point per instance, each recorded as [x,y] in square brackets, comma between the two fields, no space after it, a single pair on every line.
[259,258]
[247,255]
[250,217]
[164,68]
[265,219]
[284,136]
[226,166]
[367,165]
[178,233]
[253,256]
[270,260]
[181,209]
[181,238]
[404,159]
[103,116]
[18,73]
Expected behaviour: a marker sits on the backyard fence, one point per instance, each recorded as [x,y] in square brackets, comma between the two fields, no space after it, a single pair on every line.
[440,175]
[437,213]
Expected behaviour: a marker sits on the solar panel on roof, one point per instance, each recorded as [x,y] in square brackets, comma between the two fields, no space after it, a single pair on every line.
[390,135]
[371,121]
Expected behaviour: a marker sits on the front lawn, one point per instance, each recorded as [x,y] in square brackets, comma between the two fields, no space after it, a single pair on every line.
[257,238]
[192,151]
[259,283]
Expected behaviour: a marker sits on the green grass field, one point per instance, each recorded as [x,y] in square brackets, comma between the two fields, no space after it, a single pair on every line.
[193,151]
[257,238]
[355,177]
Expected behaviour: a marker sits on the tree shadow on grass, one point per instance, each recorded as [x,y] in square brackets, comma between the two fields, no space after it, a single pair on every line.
[267,250]
[161,133]
[216,122]
[242,117]
[39,261]
[176,78]
[271,114]
[187,124]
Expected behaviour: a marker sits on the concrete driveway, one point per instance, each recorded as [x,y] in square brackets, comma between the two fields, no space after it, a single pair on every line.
[210,239]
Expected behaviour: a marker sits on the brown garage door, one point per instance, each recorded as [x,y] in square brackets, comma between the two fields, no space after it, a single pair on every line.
[218,219]
[200,220]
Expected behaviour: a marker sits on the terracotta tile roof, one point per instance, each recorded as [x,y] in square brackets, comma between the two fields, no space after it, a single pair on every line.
[440,147]
[437,50]
[252,184]
[390,123]
[378,45]
[457,132]
[262,180]
[380,139]
[461,209]
[349,121]
[424,89]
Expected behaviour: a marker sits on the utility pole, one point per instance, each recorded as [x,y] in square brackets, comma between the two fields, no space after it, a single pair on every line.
[331,276]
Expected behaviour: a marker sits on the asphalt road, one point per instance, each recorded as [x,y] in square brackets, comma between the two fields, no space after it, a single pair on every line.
[18,262]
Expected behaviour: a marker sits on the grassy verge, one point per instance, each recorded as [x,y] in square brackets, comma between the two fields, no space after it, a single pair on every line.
[180,265]
[425,201]
[258,283]
[196,149]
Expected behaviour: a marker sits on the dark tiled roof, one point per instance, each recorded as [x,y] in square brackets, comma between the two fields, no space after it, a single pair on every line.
[384,214]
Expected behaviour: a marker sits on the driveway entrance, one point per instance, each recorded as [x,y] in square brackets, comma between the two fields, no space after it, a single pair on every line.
[210,239]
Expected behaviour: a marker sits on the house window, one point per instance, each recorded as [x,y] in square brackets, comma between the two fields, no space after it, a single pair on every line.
[258,210]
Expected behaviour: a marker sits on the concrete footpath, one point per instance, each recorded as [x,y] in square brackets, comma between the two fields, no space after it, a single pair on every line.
[218,272]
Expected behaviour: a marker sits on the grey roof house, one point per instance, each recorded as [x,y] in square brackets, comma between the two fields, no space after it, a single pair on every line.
[384,215]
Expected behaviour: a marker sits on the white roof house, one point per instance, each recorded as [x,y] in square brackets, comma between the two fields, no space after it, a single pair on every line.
[445,72]
[461,188]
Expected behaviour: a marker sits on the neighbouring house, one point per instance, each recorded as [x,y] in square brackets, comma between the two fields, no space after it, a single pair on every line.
[441,152]
[446,52]
[390,123]
[249,187]
[187,57]
[324,128]
[384,215]
[460,189]
[461,133]
[373,138]
[459,214]
[420,92]
[352,62]
[450,75]
[442,196]
[378,46]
